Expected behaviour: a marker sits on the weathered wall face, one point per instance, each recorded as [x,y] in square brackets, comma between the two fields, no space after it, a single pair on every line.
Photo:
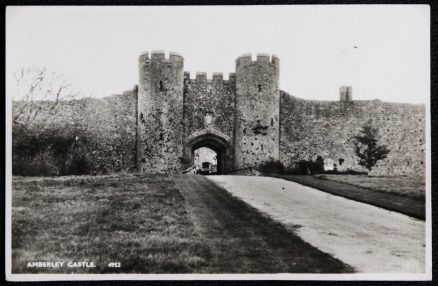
[114,122]
[257,110]
[109,124]
[325,128]
[208,107]
[209,104]
[160,113]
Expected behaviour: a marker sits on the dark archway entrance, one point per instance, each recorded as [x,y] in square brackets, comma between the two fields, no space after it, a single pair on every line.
[205,161]
[218,145]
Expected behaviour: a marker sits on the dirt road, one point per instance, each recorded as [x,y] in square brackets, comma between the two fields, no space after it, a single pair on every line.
[244,241]
[370,239]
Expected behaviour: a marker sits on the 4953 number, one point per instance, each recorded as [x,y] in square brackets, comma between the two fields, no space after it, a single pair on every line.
[114,265]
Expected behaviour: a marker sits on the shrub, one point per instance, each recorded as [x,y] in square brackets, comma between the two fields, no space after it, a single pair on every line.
[22,167]
[346,172]
[303,167]
[306,167]
[77,165]
[50,151]
[272,166]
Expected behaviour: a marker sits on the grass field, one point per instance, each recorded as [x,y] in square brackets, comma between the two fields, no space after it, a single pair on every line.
[413,188]
[403,195]
[138,221]
[151,224]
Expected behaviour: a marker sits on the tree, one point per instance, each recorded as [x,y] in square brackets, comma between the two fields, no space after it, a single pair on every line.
[35,89]
[40,146]
[367,148]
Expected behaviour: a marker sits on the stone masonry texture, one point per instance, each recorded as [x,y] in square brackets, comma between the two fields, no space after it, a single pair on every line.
[246,119]
[160,111]
[325,128]
[257,110]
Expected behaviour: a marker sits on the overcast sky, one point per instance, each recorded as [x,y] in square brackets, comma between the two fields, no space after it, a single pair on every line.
[382,51]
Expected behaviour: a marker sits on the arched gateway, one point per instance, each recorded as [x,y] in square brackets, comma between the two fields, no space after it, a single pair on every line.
[216,143]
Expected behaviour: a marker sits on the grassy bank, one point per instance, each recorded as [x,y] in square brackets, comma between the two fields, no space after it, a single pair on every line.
[380,192]
[413,188]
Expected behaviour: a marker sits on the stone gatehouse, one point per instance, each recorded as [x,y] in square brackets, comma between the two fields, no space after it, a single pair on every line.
[238,117]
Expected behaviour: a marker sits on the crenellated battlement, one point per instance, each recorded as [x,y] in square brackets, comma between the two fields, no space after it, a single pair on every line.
[160,56]
[232,76]
[263,58]
[204,77]
[275,60]
[143,57]
[260,58]
[218,76]
[201,76]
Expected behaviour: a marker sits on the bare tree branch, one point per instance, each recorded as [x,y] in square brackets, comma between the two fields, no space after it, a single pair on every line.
[37,89]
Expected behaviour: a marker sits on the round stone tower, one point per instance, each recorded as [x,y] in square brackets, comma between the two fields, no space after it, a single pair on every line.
[160,112]
[257,110]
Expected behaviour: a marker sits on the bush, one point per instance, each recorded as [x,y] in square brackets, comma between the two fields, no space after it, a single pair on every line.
[22,167]
[303,167]
[49,151]
[346,172]
[309,167]
[306,167]
[77,165]
[272,166]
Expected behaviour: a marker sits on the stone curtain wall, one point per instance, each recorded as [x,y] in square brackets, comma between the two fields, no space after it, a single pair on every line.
[325,128]
[257,110]
[108,124]
[308,128]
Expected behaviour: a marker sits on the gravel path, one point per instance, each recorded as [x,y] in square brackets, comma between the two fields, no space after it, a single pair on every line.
[241,240]
[370,239]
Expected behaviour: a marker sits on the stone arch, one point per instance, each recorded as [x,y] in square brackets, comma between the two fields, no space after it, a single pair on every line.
[217,143]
